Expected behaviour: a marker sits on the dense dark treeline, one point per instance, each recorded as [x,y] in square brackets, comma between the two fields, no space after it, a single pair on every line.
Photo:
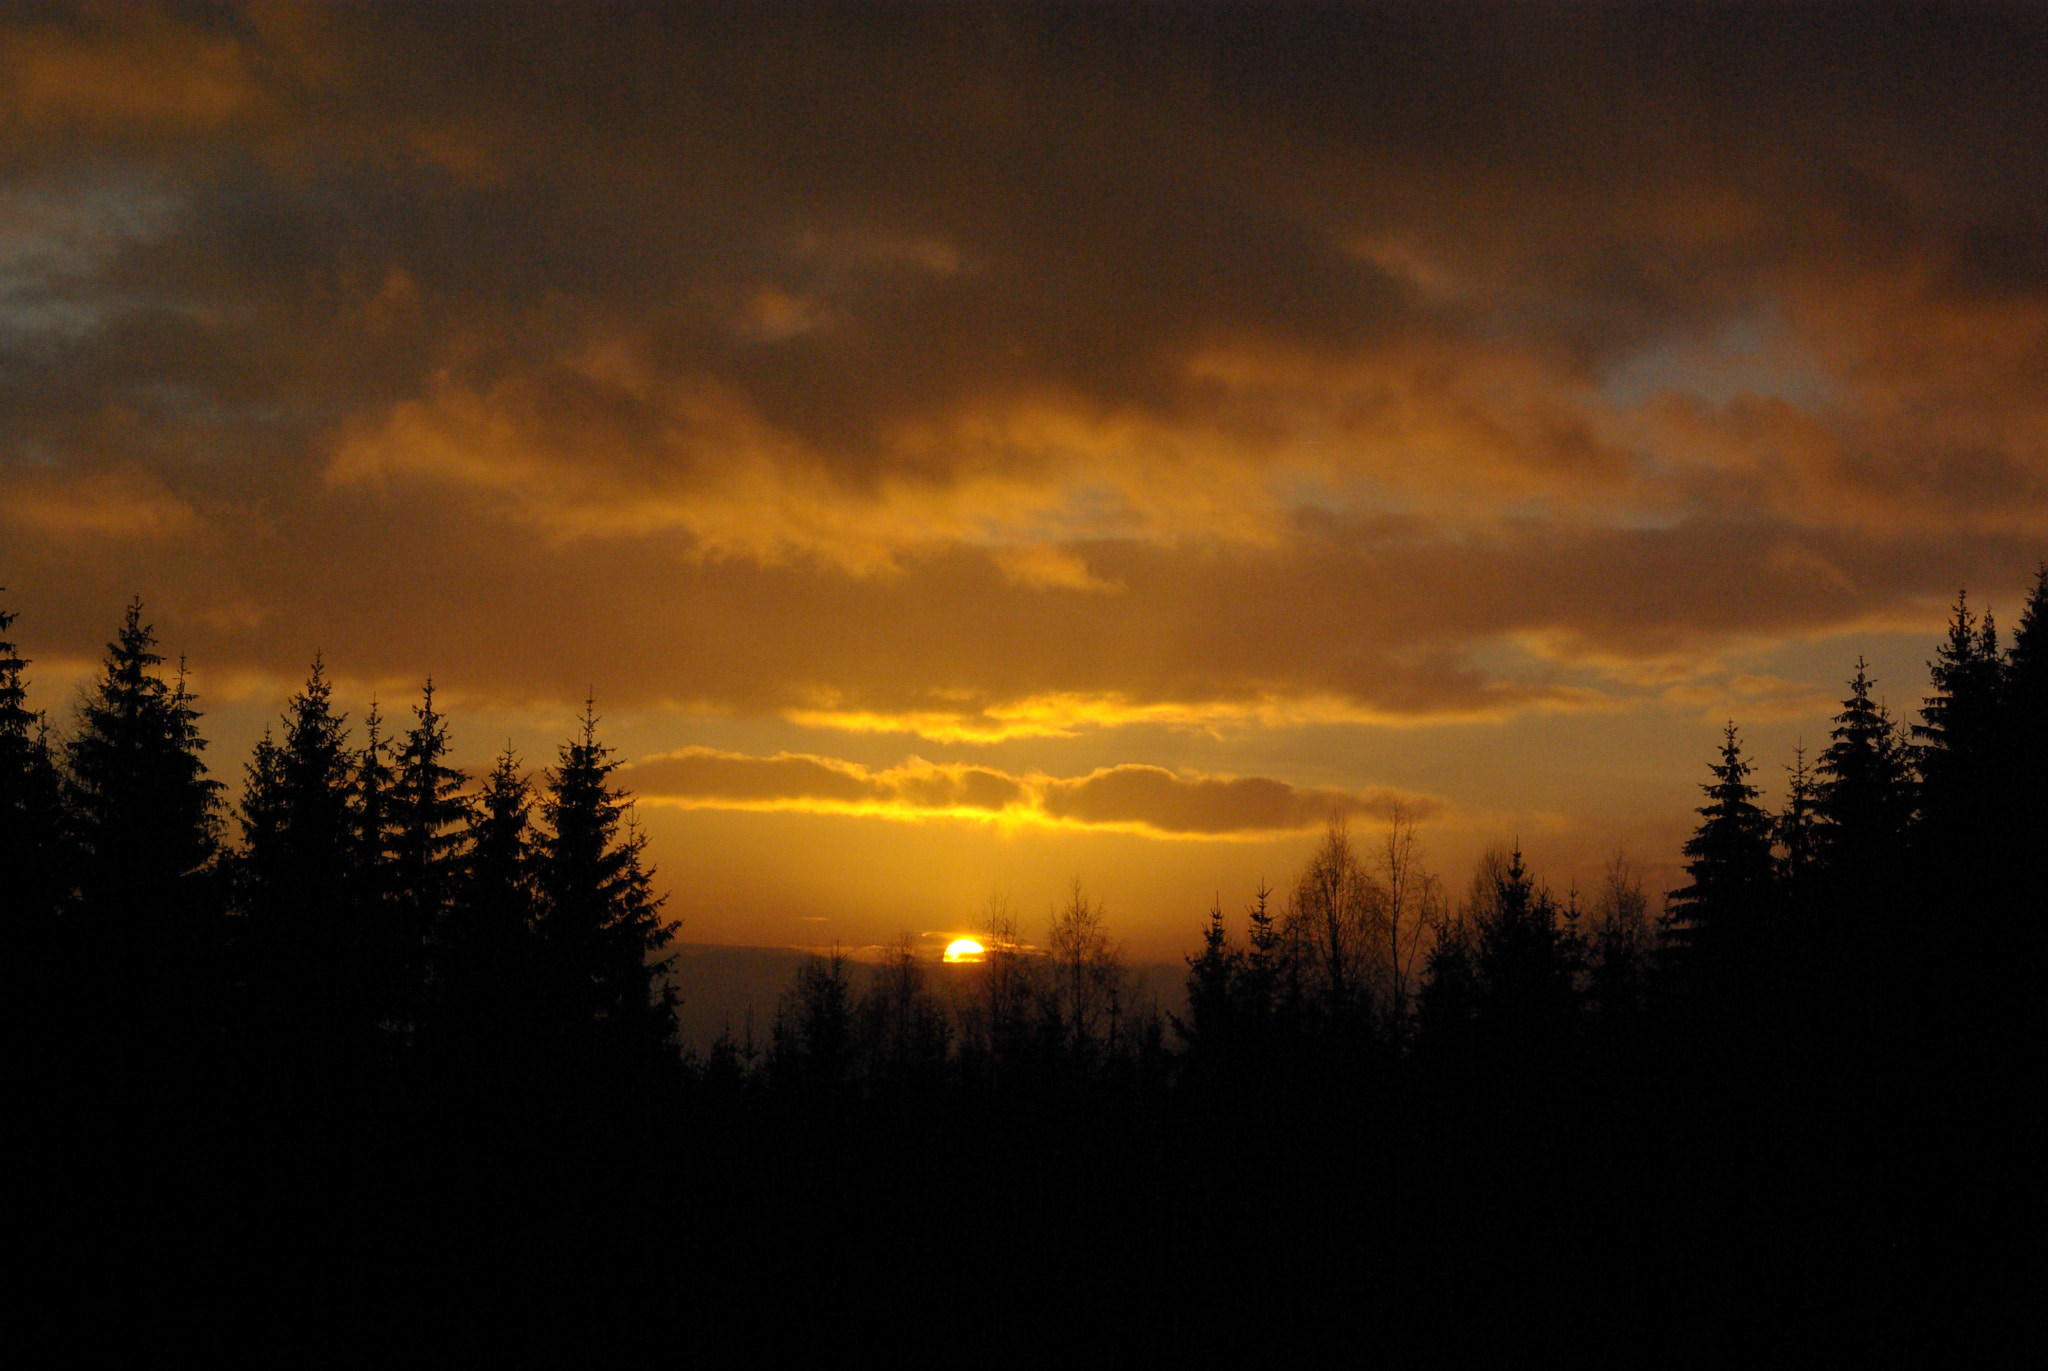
[374,918]
[393,1035]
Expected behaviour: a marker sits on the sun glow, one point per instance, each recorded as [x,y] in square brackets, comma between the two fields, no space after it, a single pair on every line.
[965,950]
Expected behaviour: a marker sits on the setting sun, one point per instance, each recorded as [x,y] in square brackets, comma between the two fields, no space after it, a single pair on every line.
[964,950]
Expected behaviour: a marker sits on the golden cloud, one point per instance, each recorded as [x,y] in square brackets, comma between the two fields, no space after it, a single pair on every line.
[702,777]
[1148,800]
[1180,804]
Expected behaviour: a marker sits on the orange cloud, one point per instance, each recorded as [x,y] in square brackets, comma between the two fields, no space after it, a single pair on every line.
[1171,803]
[1148,800]
[707,778]
[104,506]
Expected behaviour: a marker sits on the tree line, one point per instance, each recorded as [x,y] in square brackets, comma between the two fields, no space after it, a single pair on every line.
[1775,1087]
[1886,901]
[374,910]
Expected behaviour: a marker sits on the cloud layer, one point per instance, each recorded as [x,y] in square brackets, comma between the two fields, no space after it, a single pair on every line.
[1149,800]
[992,371]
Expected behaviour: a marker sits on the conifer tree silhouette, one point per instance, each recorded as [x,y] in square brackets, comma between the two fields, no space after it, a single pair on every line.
[148,829]
[1526,1002]
[1448,1001]
[1715,923]
[600,922]
[1214,977]
[306,954]
[1960,750]
[811,1051]
[429,827]
[1794,830]
[373,880]
[489,953]
[1865,806]
[2025,711]
[902,1025]
[1866,790]
[33,861]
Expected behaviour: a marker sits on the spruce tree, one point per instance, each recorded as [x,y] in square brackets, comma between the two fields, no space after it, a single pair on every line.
[371,799]
[1448,1001]
[148,829]
[2025,706]
[146,811]
[812,1049]
[307,959]
[1961,750]
[33,865]
[1715,924]
[296,832]
[1213,978]
[429,828]
[2009,934]
[1865,806]
[488,947]
[1527,1001]
[1866,791]
[599,920]
[1795,829]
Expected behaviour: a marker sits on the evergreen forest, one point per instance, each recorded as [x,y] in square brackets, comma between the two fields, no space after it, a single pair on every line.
[385,1054]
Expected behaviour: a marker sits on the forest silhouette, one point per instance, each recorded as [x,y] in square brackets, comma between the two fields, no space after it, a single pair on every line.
[385,1037]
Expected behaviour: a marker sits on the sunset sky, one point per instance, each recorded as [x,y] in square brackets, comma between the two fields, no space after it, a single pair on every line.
[966,448]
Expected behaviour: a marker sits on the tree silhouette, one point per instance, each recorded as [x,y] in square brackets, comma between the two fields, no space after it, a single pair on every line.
[429,827]
[1087,976]
[599,920]
[1215,980]
[306,961]
[1007,1020]
[812,1049]
[373,879]
[1715,923]
[1795,830]
[1260,990]
[1854,946]
[1412,896]
[903,1028]
[489,954]
[1448,1001]
[1525,970]
[1962,752]
[1336,935]
[1866,790]
[1623,948]
[148,830]
[33,862]
[2023,787]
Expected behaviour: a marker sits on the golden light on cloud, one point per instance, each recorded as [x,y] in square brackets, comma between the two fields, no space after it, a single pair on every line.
[1068,715]
[1148,801]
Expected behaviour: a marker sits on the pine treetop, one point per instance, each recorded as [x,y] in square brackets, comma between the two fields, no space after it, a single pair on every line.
[136,779]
